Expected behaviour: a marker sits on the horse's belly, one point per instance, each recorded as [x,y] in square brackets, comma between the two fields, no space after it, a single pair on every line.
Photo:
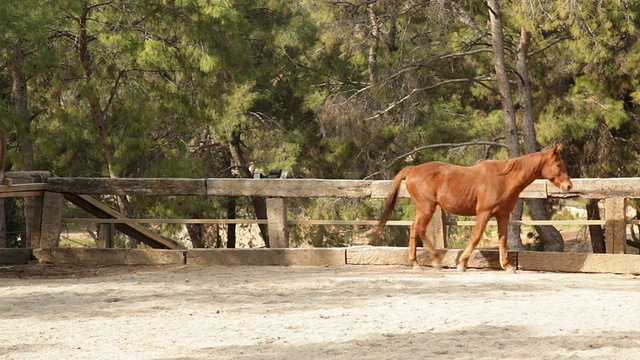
[459,210]
[459,204]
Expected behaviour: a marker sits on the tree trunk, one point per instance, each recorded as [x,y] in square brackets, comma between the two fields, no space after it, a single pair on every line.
[98,114]
[218,243]
[19,98]
[3,225]
[3,157]
[514,238]
[393,31]
[595,231]
[375,39]
[508,109]
[21,107]
[260,207]
[126,209]
[231,229]
[550,237]
[3,151]
[259,203]
[524,92]
[196,235]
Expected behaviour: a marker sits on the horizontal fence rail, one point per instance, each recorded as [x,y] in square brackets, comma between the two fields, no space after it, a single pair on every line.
[375,189]
[329,222]
[52,190]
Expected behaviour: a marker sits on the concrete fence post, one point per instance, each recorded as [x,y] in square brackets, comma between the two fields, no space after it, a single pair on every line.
[106,233]
[51,220]
[437,229]
[277,222]
[615,231]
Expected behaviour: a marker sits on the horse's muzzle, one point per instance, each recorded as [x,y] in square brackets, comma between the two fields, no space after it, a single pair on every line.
[567,186]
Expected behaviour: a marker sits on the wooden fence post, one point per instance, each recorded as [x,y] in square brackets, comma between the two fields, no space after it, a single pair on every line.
[277,222]
[3,225]
[105,235]
[437,229]
[51,220]
[33,220]
[615,230]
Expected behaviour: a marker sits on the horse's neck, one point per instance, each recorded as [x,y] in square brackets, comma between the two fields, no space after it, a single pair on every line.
[524,170]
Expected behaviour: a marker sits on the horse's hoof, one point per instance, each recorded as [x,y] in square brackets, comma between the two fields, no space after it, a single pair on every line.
[417,268]
[461,268]
[510,270]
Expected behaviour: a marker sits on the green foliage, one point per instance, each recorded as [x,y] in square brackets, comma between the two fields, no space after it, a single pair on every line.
[311,88]
[582,111]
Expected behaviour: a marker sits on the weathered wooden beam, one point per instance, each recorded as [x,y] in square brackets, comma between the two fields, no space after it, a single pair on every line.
[267,257]
[33,208]
[22,190]
[3,225]
[381,188]
[579,262]
[120,186]
[436,229]
[615,228]
[51,223]
[600,188]
[277,223]
[85,256]
[377,189]
[289,187]
[361,255]
[21,194]
[15,256]
[136,231]
[378,255]
[106,233]
[27,177]
[537,189]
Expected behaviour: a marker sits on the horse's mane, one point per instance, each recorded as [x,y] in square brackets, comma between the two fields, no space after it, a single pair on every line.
[522,163]
[510,167]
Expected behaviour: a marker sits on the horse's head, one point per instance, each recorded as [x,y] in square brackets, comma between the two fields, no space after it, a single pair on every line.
[554,169]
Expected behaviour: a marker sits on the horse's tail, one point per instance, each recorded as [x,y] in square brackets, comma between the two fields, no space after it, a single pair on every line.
[390,203]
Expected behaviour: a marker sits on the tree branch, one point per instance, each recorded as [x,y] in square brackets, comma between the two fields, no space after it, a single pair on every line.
[307,67]
[451,145]
[466,19]
[550,45]
[113,92]
[426,62]
[452,81]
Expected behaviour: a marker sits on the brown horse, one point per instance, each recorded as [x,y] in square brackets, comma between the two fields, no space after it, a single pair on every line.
[487,189]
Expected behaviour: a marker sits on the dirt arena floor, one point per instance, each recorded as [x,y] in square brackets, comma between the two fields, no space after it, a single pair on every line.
[355,312]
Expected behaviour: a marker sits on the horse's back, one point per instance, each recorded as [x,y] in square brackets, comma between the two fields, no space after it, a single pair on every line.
[453,187]
[432,172]
[445,172]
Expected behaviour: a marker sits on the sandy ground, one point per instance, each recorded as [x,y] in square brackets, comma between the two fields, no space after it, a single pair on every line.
[364,312]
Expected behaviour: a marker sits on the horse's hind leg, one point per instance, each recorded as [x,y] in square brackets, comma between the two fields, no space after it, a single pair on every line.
[413,235]
[419,228]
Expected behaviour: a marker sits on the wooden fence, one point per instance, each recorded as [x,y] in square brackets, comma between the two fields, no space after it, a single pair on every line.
[50,193]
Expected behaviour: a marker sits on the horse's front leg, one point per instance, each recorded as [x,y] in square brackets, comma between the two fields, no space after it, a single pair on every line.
[481,222]
[503,227]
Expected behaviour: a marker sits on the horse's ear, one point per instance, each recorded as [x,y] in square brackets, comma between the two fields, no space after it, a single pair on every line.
[557,149]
